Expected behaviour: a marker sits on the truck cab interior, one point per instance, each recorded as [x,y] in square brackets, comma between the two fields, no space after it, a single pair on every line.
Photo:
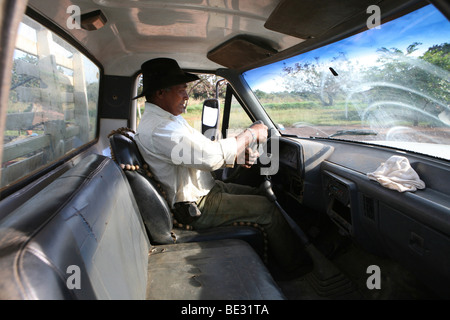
[356,96]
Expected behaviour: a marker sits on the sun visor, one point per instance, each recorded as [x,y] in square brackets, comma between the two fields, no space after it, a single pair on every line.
[310,18]
[240,52]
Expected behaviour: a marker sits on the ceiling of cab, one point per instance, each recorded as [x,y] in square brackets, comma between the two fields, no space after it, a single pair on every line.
[210,34]
[136,31]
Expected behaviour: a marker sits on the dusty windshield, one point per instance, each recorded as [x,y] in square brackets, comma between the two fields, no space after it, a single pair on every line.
[388,85]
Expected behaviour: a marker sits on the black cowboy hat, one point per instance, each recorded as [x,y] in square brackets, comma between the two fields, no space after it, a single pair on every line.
[162,73]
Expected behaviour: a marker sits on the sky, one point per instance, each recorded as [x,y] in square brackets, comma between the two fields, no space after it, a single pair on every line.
[427,26]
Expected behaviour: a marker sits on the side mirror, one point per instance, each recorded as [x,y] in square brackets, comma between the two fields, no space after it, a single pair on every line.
[210,118]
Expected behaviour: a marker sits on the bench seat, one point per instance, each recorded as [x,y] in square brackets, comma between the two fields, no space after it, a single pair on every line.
[211,270]
[87,223]
[155,210]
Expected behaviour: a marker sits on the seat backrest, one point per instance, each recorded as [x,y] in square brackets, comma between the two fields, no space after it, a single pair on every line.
[154,208]
[149,196]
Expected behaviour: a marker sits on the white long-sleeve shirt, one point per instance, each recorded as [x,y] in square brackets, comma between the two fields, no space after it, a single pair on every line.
[179,156]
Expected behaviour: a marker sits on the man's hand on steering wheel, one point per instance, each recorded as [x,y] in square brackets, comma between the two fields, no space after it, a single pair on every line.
[250,157]
[259,132]
[247,153]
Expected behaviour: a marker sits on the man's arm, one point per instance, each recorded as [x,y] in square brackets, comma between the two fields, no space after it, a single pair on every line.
[256,133]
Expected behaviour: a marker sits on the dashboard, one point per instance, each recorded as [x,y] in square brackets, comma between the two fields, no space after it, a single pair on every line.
[413,228]
[292,170]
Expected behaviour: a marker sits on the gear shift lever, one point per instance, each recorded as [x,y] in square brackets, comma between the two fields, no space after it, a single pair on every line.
[267,185]
[325,278]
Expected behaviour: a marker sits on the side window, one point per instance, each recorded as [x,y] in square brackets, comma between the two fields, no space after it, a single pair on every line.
[199,91]
[52,107]
[239,119]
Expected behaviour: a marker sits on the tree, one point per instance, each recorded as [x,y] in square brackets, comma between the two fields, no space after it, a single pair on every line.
[205,88]
[439,55]
[20,79]
[424,77]
[318,79]
[438,78]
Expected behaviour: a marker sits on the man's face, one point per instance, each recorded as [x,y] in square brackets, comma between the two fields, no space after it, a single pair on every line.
[174,99]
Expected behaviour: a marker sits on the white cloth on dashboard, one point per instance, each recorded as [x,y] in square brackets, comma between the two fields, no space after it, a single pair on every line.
[397,174]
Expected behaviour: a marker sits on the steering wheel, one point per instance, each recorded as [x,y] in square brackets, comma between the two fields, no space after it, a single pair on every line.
[231,174]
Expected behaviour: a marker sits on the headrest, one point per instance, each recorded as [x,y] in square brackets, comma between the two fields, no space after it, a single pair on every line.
[124,150]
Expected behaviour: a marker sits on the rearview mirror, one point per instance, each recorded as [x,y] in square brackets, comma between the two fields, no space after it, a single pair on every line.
[210,118]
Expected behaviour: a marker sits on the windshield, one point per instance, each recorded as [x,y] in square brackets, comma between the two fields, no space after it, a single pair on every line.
[388,85]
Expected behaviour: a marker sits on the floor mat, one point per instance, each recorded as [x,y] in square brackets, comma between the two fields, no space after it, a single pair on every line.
[396,283]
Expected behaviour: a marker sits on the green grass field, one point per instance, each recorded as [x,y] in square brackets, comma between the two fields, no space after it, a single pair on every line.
[312,113]
[287,114]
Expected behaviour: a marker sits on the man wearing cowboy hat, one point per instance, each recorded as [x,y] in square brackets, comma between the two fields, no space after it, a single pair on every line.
[182,159]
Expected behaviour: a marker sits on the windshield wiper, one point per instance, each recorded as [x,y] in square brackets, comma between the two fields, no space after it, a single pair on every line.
[354,132]
[289,135]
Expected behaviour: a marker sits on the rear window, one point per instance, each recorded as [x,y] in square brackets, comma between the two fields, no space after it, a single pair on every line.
[52,106]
